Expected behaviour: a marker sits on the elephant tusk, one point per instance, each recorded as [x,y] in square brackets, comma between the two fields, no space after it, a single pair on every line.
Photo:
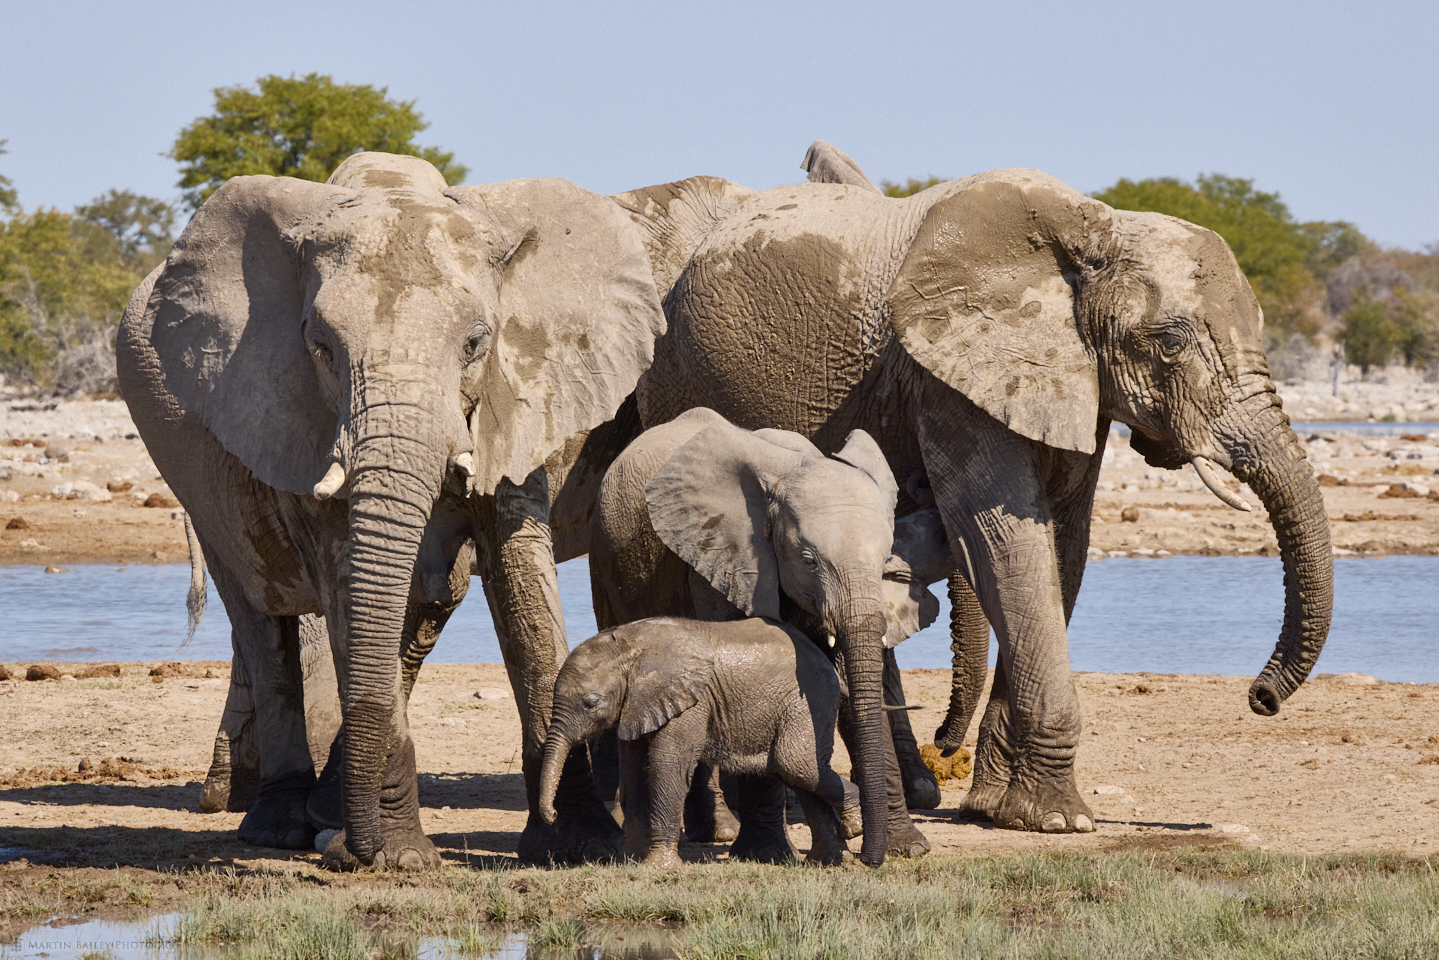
[333,480]
[465,463]
[1205,469]
[831,641]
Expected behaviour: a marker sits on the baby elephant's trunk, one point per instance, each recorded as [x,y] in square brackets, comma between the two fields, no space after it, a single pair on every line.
[557,751]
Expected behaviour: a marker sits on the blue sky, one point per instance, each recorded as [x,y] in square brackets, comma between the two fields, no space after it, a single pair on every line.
[1331,104]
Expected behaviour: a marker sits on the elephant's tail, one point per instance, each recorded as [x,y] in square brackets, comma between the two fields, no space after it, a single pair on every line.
[195,599]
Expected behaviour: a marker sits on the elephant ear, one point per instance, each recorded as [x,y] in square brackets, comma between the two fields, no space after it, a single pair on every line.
[789,440]
[985,301]
[709,503]
[578,317]
[666,681]
[861,452]
[225,323]
[826,163]
[921,556]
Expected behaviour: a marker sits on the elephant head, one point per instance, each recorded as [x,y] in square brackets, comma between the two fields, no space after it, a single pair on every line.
[383,336]
[1049,310]
[762,514]
[612,679]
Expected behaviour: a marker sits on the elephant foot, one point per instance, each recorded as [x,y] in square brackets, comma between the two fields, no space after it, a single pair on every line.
[323,807]
[763,845]
[577,836]
[851,817]
[215,794]
[1052,807]
[707,818]
[982,801]
[278,817]
[404,849]
[663,856]
[905,841]
[921,793]
[831,854]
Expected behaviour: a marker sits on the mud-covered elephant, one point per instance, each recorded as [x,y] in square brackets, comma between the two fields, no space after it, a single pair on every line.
[986,332]
[751,696]
[346,384]
[699,518]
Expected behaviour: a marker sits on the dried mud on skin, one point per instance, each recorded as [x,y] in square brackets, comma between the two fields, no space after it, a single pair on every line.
[1348,765]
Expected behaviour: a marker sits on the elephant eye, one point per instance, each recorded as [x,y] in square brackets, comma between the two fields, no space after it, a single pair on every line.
[322,352]
[1171,341]
[591,701]
[477,341]
[809,559]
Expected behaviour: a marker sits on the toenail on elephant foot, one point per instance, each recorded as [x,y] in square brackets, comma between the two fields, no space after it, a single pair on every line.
[905,841]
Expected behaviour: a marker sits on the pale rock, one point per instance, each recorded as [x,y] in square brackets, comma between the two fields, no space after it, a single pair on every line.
[323,838]
[1234,829]
[1107,789]
[493,693]
[1356,679]
[85,490]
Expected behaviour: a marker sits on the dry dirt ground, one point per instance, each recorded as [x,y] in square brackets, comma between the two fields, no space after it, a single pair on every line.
[1349,764]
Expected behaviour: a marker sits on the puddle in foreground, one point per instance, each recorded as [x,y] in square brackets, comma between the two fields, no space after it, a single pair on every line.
[145,940]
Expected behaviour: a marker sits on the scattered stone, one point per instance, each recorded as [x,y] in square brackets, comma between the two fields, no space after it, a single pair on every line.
[41,671]
[57,453]
[956,766]
[1328,480]
[1129,515]
[493,693]
[118,486]
[85,490]
[54,569]
[1356,679]
[1234,829]
[323,838]
[1108,789]
[18,523]
[67,678]
[160,500]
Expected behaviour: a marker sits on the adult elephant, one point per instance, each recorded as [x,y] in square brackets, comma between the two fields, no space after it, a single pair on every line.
[344,384]
[986,332]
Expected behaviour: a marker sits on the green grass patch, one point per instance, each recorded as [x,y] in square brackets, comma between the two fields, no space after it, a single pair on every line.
[1214,903]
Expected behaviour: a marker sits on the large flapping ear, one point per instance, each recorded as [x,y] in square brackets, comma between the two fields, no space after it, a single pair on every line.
[669,676]
[709,503]
[224,321]
[985,301]
[826,163]
[861,452]
[578,317]
[789,440]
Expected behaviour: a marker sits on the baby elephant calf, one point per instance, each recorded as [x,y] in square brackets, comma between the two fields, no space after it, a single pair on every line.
[749,696]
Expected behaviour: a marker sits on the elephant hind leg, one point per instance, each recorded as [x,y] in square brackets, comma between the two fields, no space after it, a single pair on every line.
[707,817]
[921,789]
[992,754]
[233,781]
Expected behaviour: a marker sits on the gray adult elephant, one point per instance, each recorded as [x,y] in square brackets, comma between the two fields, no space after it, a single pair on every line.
[986,332]
[344,384]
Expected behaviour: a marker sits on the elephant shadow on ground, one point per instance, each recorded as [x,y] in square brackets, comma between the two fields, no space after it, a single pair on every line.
[155,795]
[146,847]
[473,791]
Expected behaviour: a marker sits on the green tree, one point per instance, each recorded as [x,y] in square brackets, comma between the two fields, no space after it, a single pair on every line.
[142,228]
[911,186]
[9,199]
[297,128]
[1370,335]
[1272,248]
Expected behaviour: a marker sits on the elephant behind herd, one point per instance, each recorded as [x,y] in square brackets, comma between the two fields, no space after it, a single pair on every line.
[352,386]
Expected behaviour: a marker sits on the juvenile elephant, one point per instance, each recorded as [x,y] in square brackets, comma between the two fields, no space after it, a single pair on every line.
[701,519]
[752,696]
[986,332]
[344,384]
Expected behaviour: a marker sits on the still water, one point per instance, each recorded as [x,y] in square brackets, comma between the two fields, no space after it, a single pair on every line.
[1176,615]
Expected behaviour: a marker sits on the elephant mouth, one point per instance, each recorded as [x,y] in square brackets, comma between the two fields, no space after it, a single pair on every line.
[1156,452]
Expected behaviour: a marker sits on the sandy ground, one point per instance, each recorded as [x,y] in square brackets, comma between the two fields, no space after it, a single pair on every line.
[1349,764]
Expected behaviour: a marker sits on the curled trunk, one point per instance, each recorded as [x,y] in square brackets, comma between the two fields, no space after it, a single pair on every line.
[557,751]
[969,630]
[1267,456]
[394,476]
[859,632]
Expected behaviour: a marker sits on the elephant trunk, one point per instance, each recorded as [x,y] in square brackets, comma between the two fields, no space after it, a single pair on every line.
[557,751]
[397,464]
[1268,457]
[859,633]
[970,645]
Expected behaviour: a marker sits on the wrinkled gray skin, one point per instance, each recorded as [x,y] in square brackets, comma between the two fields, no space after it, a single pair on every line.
[700,519]
[752,696]
[344,383]
[986,332]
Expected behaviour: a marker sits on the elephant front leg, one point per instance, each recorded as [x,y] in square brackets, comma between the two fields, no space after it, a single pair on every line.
[762,836]
[707,818]
[921,789]
[518,571]
[404,844]
[904,838]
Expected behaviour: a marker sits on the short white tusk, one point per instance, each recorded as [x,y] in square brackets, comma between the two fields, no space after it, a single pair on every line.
[465,463]
[831,640]
[1205,469]
[333,480]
